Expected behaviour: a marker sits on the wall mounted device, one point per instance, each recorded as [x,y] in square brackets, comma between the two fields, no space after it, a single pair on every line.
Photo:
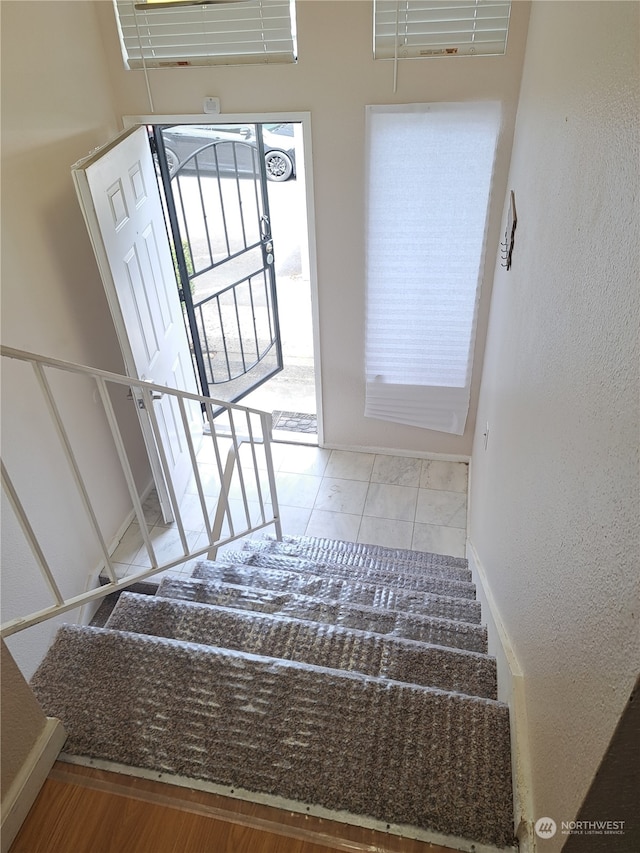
[211,105]
[510,232]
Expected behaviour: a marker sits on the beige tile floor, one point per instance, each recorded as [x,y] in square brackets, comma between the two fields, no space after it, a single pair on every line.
[397,501]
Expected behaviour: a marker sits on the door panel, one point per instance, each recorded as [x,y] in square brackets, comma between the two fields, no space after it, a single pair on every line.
[218,209]
[121,203]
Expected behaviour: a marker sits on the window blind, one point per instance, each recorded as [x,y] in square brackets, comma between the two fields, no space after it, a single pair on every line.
[249,32]
[423,28]
[425,233]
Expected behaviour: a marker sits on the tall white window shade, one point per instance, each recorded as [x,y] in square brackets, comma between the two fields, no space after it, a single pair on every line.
[158,34]
[423,28]
[429,173]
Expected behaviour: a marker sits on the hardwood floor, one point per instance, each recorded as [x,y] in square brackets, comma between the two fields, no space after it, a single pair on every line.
[84,810]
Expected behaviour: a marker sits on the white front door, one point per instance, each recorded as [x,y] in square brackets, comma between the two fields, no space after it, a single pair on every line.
[120,200]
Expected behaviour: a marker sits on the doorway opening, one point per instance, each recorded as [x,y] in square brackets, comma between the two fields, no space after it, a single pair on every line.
[235,200]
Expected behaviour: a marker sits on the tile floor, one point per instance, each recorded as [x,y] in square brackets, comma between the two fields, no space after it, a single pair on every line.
[396,501]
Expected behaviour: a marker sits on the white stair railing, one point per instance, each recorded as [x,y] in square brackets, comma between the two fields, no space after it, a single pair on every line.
[238,434]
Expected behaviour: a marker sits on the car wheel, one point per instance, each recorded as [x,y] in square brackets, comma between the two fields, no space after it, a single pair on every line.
[172,161]
[279,166]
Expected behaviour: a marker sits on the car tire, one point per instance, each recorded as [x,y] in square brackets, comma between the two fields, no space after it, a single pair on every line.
[173,161]
[279,166]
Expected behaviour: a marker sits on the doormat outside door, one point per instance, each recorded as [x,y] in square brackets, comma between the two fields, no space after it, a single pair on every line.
[295,422]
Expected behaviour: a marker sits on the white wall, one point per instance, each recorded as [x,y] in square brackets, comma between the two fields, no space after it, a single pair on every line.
[334,79]
[56,107]
[554,498]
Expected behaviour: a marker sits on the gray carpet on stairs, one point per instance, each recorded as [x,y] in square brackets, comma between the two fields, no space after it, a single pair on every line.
[375,557]
[334,674]
[308,642]
[399,753]
[411,626]
[339,589]
[393,579]
[308,545]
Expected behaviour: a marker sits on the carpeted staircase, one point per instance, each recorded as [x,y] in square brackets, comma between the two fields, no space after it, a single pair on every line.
[332,674]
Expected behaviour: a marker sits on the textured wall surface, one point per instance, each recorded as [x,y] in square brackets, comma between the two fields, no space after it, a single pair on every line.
[56,108]
[23,720]
[554,503]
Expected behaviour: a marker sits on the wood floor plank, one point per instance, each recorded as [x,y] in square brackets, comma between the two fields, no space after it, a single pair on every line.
[85,810]
[73,819]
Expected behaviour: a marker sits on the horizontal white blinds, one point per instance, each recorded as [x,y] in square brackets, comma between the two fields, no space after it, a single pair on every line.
[422,28]
[249,32]
[426,222]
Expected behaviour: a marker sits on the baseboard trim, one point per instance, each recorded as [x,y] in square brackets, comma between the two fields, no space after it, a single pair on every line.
[510,690]
[390,451]
[26,786]
[131,517]
[88,611]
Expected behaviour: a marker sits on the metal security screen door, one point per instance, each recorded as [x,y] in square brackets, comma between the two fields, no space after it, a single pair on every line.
[217,207]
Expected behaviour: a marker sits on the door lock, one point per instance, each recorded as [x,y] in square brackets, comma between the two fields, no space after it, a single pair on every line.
[155,395]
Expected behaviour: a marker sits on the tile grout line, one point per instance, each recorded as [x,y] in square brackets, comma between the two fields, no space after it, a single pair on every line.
[365,500]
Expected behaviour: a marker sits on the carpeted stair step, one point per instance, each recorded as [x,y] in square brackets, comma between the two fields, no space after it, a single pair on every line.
[307,642]
[442,632]
[399,753]
[339,589]
[373,557]
[391,576]
[308,545]
[419,557]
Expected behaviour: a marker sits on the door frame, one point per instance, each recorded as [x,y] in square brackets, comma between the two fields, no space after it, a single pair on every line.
[304,172]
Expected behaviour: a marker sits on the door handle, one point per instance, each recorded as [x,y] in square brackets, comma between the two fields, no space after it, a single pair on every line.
[267,240]
[155,395]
